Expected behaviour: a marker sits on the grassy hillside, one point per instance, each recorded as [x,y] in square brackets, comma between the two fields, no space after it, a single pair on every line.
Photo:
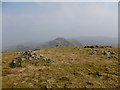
[57,41]
[73,67]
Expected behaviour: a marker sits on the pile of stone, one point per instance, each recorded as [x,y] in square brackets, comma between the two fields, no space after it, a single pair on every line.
[28,55]
[97,46]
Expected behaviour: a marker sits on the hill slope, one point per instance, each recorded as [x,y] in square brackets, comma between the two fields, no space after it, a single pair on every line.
[57,41]
[18,48]
[62,42]
[73,67]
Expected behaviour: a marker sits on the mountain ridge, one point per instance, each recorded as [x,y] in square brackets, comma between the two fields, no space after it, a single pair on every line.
[58,41]
[79,41]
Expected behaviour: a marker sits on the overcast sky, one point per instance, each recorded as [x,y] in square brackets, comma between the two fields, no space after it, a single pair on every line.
[39,22]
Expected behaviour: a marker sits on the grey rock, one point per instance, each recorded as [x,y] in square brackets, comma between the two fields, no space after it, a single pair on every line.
[111,52]
[44,59]
[41,55]
[13,63]
[89,47]
[106,53]
[29,58]
[108,46]
[22,58]
[94,52]
[49,60]
[97,46]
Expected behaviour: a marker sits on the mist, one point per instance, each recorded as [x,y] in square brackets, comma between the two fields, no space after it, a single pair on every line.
[44,21]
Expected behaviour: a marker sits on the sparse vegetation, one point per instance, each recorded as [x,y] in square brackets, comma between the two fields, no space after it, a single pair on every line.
[73,67]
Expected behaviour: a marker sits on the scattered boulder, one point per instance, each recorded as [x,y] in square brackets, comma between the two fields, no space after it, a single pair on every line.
[89,47]
[15,63]
[94,52]
[49,59]
[41,55]
[109,53]
[22,58]
[108,46]
[96,46]
[58,45]
[106,53]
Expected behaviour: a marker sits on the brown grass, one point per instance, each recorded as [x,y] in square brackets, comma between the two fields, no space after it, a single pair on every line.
[73,67]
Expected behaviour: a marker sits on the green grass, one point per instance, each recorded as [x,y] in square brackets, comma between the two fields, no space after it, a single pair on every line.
[73,67]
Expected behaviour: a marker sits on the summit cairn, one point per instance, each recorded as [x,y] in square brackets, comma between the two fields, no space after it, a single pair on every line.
[28,55]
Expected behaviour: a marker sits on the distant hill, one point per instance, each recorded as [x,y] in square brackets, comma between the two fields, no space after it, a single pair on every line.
[98,40]
[18,48]
[61,42]
[80,41]
[57,41]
